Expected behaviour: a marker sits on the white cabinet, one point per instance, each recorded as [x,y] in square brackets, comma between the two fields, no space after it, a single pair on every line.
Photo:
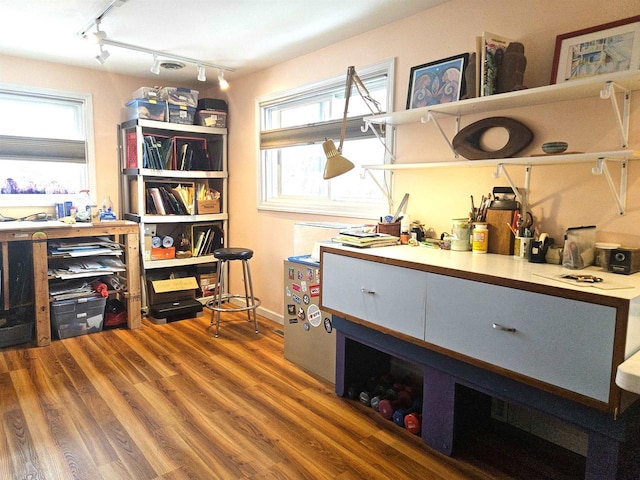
[387,296]
[562,342]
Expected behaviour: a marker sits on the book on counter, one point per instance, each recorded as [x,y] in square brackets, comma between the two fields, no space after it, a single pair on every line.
[364,239]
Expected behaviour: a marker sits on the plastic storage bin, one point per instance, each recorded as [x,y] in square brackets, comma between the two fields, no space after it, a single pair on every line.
[180,114]
[16,333]
[150,93]
[184,97]
[211,118]
[146,109]
[70,318]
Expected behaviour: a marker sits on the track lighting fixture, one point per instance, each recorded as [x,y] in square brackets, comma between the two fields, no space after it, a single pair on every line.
[202,76]
[168,61]
[224,85]
[155,68]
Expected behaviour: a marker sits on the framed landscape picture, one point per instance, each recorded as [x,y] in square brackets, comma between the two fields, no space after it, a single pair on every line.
[608,48]
[437,82]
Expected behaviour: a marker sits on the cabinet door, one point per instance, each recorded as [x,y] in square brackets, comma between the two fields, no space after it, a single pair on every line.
[385,295]
[559,341]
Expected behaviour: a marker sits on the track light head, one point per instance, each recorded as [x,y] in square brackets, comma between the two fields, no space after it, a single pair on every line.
[202,76]
[224,85]
[155,68]
[102,56]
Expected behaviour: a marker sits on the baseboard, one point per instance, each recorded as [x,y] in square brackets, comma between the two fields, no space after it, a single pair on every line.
[268,314]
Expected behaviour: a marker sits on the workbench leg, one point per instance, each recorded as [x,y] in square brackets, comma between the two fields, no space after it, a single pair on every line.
[41,291]
[609,459]
[438,410]
[132,259]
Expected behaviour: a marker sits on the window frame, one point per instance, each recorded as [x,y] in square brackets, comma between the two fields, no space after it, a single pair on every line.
[86,111]
[326,206]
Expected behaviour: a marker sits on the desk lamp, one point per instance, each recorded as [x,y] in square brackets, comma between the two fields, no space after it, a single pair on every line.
[337,164]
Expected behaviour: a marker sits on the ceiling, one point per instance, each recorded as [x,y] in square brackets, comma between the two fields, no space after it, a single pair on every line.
[244,35]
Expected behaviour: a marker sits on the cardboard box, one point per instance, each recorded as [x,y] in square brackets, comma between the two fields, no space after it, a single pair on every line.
[208,206]
[171,290]
[208,284]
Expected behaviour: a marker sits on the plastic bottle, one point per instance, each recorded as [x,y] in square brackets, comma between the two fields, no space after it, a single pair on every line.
[106,210]
[480,238]
[83,206]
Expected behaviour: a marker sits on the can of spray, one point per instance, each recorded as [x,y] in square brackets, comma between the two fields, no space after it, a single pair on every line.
[480,237]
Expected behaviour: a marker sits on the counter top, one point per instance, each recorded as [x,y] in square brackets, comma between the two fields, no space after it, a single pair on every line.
[501,268]
[50,224]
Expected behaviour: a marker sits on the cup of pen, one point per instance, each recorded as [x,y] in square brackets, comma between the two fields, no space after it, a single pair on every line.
[521,247]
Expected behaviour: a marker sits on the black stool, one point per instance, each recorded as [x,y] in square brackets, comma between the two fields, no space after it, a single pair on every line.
[225,255]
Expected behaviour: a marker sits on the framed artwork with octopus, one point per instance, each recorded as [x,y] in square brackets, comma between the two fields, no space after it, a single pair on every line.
[437,82]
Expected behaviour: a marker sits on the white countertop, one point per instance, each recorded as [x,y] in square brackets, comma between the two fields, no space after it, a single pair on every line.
[507,267]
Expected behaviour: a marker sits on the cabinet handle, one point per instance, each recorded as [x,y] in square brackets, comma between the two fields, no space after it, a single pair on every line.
[366,290]
[502,328]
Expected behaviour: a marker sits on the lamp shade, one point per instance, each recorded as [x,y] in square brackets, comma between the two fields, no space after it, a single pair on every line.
[336,164]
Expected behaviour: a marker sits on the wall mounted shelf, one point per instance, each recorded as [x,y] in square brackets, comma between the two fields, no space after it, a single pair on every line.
[602,86]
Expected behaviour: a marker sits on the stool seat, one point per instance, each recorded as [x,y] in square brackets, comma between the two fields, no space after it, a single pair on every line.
[233,253]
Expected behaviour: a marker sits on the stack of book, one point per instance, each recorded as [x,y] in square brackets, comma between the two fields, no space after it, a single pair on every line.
[363,239]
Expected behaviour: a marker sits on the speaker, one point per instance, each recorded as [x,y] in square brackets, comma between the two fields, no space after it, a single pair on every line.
[625,260]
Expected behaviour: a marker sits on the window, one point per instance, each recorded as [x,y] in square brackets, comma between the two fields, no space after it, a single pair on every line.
[46,145]
[293,126]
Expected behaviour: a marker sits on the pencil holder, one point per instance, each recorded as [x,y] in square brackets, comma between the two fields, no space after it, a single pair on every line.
[389,228]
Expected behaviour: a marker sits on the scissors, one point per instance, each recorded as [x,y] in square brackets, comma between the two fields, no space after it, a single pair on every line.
[524,222]
[583,278]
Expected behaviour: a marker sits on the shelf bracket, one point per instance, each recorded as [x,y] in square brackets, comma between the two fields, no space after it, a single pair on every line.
[369,126]
[430,117]
[522,195]
[620,195]
[622,121]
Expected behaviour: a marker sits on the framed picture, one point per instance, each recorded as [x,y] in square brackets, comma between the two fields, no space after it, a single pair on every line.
[437,82]
[608,48]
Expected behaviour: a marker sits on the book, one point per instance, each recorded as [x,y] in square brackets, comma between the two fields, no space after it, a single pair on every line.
[158,204]
[197,246]
[493,47]
[367,240]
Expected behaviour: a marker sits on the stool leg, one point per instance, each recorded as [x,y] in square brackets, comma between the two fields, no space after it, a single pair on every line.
[248,295]
[214,303]
[245,279]
[217,298]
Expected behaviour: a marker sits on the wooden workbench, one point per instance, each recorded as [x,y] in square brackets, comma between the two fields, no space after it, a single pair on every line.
[37,234]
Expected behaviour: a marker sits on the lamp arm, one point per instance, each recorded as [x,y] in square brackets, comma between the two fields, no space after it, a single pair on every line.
[366,95]
[351,72]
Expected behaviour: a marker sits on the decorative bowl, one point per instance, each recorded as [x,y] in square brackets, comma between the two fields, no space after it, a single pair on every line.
[554,147]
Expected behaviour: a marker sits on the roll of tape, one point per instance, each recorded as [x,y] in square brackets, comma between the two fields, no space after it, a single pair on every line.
[156,242]
[167,241]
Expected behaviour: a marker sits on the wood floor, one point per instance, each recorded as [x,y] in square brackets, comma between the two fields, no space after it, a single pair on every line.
[172,402]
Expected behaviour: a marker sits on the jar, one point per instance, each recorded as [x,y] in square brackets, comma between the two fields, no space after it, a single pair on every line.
[480,238]
[460,235]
